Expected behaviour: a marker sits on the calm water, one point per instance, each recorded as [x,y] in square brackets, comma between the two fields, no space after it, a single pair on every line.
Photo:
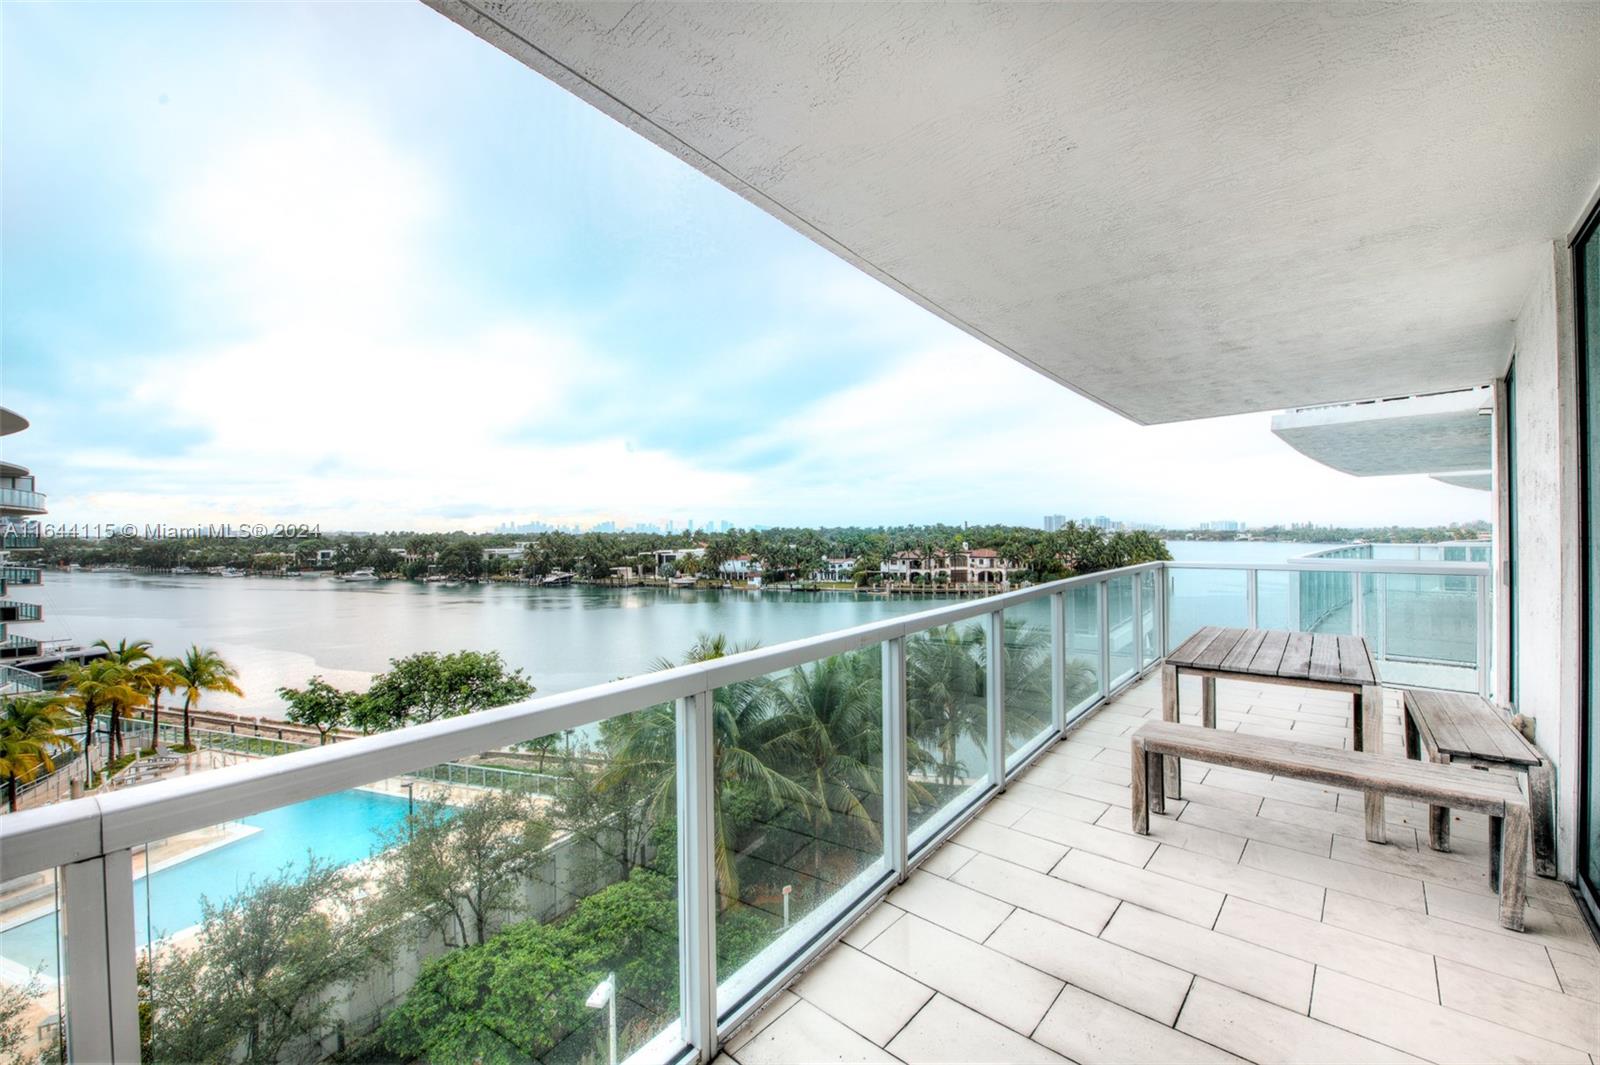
[282,631]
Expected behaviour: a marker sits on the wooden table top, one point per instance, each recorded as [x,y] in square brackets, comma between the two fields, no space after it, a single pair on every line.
[1281,655]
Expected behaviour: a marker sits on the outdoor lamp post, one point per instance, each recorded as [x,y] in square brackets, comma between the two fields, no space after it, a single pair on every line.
[605,994]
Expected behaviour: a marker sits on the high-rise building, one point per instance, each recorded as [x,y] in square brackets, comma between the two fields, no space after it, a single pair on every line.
[19,504]
[1052,522]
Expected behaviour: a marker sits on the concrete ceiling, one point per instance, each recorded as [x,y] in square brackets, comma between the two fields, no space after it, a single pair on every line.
[1451,432]
[1178,210]
[1481,481]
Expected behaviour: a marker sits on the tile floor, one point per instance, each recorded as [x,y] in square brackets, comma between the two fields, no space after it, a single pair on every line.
[1255,923]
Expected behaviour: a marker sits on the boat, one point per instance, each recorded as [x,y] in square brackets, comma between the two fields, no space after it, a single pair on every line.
[685,581]
[354,576]
[557,579]
[182,569]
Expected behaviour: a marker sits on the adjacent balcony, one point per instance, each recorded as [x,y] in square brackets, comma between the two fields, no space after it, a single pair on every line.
[947,793]
[17,646]
[19,537]
[19,501]
[14,610]
[14,681]
[10,574]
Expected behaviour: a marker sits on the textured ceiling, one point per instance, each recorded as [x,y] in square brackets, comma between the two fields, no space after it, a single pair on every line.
[1448,433]
[1178,210]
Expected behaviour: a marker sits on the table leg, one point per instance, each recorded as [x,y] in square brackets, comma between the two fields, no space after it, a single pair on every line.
[1513,860]
[1169,712]
[1208,702]
[1439,819]
[1543,818]
[1158,785]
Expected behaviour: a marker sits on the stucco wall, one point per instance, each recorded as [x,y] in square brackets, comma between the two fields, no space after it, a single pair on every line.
[1547,549]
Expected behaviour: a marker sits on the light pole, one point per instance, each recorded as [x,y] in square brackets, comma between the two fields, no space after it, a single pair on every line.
[411,808]
[605,994]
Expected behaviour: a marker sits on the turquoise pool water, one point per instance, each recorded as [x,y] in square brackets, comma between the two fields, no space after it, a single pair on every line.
[339,829]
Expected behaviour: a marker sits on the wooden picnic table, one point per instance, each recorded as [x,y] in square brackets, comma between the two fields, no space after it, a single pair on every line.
[1275,656]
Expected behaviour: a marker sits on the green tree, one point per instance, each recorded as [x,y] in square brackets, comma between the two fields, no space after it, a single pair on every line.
[743,726]
[32,730]
[150,678]
[428,686]
[462,868]
[15,1001]
[202,669]
[319,705]
[123,698]
[258,978]
[89,688]
[945,700]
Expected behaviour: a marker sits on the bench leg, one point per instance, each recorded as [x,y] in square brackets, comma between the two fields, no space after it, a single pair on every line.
[1208,702]
[1439,820]
[1413,738]
[1496,834]
[1369,711]
[1140,800]
[1513,865]
[1169,712]
[1542,818]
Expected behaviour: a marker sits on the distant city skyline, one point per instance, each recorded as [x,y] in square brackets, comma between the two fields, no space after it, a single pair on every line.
[241,288]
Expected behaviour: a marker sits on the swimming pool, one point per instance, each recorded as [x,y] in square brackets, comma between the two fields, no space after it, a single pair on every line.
[339,829]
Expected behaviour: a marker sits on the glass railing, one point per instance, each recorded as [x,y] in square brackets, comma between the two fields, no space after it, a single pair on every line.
[14,680]
[1427,623]
[12,610]
[697,837]
[19,538]
[17,499]
[19,574]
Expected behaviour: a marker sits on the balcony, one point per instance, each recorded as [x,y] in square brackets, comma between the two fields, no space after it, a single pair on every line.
[17,646]
[19,538]
[18,501]
[1026,915]
[14,681]
[10,574]
[13,610]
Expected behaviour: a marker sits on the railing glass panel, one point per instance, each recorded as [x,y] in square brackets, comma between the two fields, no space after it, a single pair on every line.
[1122,624]
[1200,597]
[427,916]
[31,961]
[1150,643]
[947,721]
[1027,676]
[799,810]
[1082,680]
[1423,628]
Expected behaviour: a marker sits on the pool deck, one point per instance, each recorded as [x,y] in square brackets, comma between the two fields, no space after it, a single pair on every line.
[1255,923]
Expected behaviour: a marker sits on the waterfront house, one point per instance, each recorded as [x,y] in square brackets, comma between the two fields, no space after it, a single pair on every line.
[740,567]
[1181,212]
[985,566]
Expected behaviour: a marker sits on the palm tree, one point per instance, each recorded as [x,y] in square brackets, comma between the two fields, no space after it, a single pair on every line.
[743,730]
[92,687]
[202,669]
[32,729]
[128,656]
[945,700]
[829,737]
[150,678]
[1026,649]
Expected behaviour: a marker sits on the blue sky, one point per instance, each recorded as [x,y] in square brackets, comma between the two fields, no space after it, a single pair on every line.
[348,264]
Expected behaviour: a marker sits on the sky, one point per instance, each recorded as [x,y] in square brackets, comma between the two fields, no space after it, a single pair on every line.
[348,265]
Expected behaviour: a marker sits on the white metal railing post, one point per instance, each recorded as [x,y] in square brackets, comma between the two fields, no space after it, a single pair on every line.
[1058,662]
[1160,583]
[997,698]
[100,955]
[1138,621]
[1103,592]
[1252,600]
[1296,579]
[1356,605]
[896,818]
[697,875]
[1485,636]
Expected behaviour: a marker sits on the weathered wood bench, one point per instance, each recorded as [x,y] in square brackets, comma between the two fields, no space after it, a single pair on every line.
[1460,728]
[1493,794]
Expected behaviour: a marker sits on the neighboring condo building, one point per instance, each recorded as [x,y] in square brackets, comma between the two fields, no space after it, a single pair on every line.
[20,504]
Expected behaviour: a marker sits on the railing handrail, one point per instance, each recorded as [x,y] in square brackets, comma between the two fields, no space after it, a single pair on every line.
[1313,564]
[33,840]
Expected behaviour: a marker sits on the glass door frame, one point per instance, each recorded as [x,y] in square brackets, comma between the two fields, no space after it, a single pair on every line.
[1588,887]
